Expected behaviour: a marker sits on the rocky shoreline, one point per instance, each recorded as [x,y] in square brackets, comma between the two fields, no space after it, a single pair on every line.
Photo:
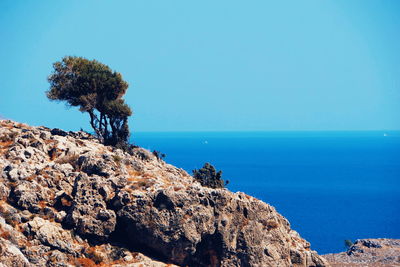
[379,252]
[67,200]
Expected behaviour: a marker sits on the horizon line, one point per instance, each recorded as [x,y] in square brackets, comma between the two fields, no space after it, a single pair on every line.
[264,131]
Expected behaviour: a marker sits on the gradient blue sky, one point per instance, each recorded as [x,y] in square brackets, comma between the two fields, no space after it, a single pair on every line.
[212,65]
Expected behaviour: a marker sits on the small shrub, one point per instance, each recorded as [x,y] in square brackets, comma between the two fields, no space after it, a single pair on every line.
[125,146]
[159,155]
[209,177]
[140,154]
[348,243]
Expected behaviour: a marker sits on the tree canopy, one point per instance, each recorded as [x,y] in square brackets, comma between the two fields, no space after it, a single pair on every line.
[97,90]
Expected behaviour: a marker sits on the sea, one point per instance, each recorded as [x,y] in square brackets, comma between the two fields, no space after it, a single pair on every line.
[331,186]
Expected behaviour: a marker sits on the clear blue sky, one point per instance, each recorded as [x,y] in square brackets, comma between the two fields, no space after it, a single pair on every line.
[212,65]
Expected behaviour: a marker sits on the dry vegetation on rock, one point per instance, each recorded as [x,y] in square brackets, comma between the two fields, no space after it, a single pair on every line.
[68,200]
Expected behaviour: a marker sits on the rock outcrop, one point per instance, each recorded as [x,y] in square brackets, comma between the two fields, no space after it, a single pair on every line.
[67,200]
[380,252]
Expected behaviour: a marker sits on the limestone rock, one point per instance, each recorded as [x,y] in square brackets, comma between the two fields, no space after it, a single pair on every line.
[10,255]
[200,227]
[51,235]
[67,200]
[89,214]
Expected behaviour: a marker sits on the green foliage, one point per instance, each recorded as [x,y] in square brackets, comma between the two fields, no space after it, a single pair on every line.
[97,90]
[158,154]
[208,176]
[348,243]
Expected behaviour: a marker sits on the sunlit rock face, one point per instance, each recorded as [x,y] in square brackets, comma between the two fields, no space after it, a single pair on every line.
[67,200]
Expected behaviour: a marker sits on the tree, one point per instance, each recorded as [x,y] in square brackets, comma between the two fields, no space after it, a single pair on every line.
[208,176]
[97,90]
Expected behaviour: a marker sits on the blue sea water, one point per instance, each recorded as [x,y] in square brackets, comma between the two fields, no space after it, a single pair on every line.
[331,186]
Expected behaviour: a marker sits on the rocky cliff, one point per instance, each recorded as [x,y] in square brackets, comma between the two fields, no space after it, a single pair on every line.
[67,200]
[379,252]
